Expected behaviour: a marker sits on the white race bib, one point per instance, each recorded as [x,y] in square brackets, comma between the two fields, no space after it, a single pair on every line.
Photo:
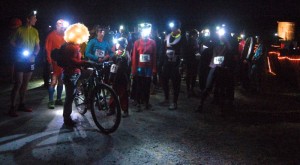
[113,68]
[170,53]
[218,60]
[99,53]
[144,57]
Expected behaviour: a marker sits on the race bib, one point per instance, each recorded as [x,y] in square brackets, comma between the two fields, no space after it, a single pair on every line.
[144,57]
[99,53]
[218,60]
[170,53]
[113,68]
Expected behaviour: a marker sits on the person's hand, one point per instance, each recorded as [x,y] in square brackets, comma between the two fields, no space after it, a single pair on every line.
[106,58]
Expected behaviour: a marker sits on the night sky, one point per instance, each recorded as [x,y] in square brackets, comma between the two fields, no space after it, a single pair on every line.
[252,15]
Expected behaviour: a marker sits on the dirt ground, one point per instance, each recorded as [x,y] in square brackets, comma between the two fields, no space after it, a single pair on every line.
[262,129]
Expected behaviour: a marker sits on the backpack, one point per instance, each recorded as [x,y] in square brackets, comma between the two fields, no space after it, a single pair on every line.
[56,55]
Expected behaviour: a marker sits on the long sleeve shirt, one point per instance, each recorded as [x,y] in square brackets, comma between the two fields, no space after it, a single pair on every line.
[96,49]
[53,41]
[144,57]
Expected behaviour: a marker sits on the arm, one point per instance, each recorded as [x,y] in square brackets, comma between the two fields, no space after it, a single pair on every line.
[37,45]
[154,71]
[48,46]
[134,61]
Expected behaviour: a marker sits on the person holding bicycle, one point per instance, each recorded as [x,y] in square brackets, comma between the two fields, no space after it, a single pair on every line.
[119,74]
[75,35]
[99,50]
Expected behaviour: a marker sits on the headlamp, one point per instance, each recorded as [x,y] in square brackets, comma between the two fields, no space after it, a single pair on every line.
[145,29]
[220,31]
[171,24]
[121,27]
[66,24]
[34,12]
[25,53]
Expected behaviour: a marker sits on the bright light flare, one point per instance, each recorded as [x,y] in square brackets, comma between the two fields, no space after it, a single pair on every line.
[146,32]
[221,32]
[115,40]
[242,35]
[25,53]
[121,27]
[77,33]
[66,24]
[34,12]
[171,24]
[206,32]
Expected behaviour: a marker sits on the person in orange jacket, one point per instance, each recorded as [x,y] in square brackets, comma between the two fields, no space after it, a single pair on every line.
[54,41]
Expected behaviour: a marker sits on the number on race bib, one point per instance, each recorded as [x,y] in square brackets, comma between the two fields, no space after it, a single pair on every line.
[218,60]
[114,68]
[99,53]
[144,57]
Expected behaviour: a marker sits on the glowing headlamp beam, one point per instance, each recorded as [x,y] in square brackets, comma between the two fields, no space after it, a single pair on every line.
[221,32]
[171,24]
[66,24]
[146,32]
[25,53]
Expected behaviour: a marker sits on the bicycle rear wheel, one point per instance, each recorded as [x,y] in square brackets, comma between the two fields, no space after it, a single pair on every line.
[105,109]
[80,99]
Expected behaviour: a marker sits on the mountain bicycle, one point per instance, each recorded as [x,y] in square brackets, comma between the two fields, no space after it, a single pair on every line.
[94,94]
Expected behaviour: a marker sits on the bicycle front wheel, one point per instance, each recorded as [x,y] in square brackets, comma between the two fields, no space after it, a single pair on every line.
[105,108]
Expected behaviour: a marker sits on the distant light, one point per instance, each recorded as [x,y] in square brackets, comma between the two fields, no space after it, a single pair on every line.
[142,25]
[121,27]
[164,32]
[50,26]
[276,34]
[232,34]
[223,25]
[34,12]
[206,32]
[171,24]
[242,36]
[218,27]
